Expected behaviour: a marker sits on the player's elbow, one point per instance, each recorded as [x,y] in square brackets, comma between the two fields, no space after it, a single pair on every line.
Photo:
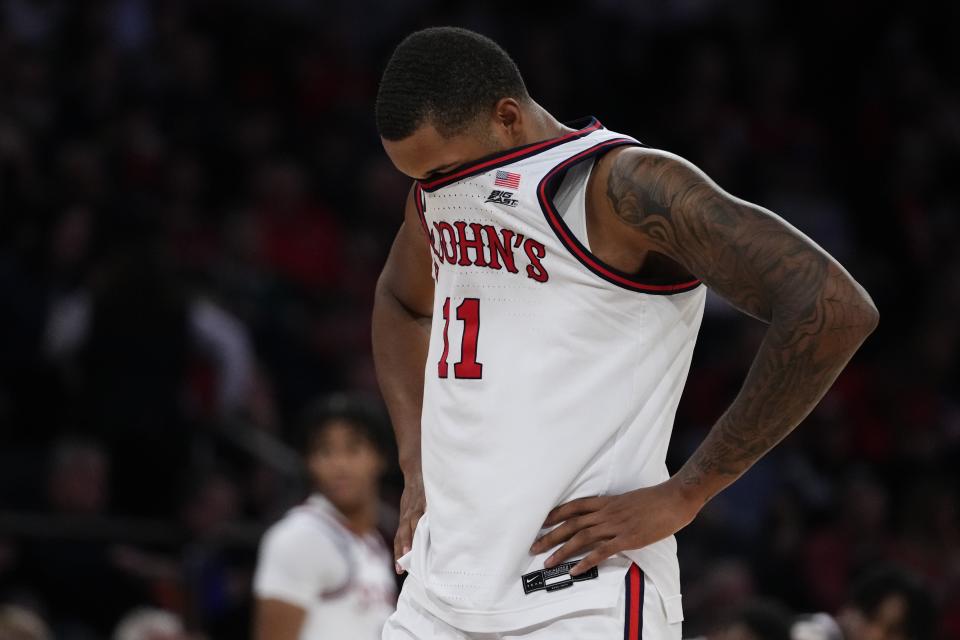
[855,313]
[386,294]
[871,315]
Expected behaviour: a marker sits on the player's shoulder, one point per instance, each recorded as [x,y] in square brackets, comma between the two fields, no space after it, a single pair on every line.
[639,175]
[299,559]
[301,527]
[637,162]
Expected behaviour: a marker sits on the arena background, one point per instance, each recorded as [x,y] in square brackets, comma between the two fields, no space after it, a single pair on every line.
[194,208]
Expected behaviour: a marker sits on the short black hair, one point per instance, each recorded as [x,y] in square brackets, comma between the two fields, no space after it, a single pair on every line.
[879,583]
[362,413]
[447,76]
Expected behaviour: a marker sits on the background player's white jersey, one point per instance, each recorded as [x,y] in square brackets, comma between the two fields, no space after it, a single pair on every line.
[345,582]
[550,377]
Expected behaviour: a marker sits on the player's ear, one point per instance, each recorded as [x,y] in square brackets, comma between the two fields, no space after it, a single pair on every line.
[509,117]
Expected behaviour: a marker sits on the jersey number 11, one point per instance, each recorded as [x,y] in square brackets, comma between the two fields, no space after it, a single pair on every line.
[467,367]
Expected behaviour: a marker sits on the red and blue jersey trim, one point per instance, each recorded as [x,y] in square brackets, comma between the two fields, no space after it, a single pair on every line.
[633,618]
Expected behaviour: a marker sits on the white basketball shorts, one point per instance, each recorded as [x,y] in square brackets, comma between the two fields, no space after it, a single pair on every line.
[639,615]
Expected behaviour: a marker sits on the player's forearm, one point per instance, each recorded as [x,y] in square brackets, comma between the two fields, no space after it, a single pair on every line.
[806,347]
[400,342]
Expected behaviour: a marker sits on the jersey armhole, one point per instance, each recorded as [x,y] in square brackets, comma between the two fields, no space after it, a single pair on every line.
[421,206]
[547,189]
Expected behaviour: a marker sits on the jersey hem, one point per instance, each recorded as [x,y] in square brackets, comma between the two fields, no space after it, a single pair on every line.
[493,621]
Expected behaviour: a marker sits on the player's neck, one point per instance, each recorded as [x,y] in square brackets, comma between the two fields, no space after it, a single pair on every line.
[362,518]
[541,125]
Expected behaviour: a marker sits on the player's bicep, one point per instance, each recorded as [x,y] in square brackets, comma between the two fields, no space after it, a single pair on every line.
[745,253]
[277,620]
[406,276]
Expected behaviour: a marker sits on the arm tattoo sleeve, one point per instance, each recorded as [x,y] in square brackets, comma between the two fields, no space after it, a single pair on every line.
[817,314]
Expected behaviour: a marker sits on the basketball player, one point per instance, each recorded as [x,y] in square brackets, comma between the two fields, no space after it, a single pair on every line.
[532,331]
[324,571]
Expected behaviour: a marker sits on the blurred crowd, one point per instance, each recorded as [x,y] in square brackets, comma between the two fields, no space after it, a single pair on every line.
[194,208]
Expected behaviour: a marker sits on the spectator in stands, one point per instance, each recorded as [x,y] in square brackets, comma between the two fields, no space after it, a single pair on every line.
[136,343]
[79,478]
[885,604]
[216,577]
[19,623]
[150,624]
[888,604]
[61,570]
[756,620]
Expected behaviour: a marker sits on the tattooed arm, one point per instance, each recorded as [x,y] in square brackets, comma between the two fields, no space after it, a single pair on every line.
[818,316]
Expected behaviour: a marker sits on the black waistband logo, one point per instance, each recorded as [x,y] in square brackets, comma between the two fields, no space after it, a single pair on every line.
[554,579]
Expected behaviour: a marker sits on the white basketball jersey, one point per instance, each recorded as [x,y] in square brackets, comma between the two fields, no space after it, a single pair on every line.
[550,376]
[344,581]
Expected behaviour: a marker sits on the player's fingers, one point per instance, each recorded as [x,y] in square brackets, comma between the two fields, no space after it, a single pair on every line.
[408,539]
[397,542]
[401,542]
[581,541]
[561,534]
[595,557]
[397,554]
[573,508]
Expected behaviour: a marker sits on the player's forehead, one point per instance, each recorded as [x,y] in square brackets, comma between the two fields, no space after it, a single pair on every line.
[426,151]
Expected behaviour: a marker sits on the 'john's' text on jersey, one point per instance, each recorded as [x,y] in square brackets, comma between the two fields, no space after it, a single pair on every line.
[483,245]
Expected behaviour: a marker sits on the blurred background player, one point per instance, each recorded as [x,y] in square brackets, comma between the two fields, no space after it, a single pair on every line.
[324,570]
